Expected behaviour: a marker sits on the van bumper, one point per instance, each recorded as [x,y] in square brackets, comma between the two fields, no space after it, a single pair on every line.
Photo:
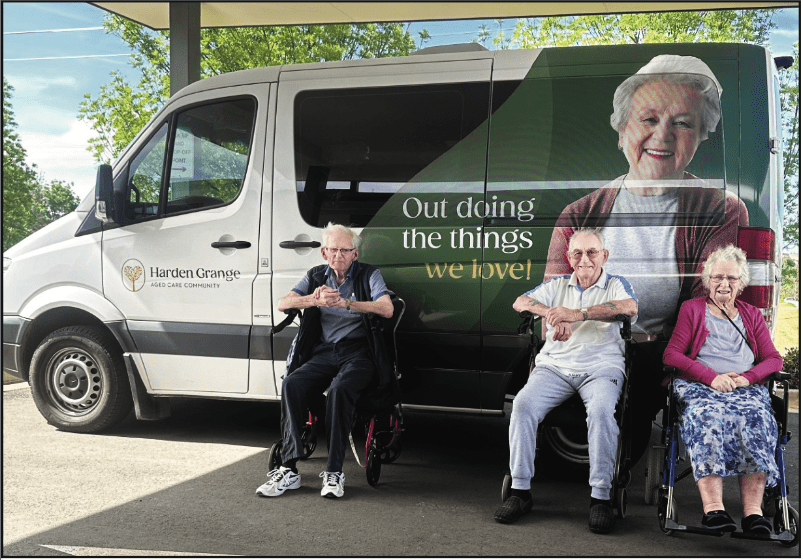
[13,328]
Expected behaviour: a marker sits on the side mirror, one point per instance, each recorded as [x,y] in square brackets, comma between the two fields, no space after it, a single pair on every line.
[104,194]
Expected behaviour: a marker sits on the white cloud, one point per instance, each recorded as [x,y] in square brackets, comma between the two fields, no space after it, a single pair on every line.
[33,85]
[63,157]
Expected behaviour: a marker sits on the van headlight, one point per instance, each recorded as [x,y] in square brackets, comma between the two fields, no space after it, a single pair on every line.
[6,263]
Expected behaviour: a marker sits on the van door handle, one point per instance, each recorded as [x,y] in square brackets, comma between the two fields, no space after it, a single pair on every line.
[231,244]
[299,244]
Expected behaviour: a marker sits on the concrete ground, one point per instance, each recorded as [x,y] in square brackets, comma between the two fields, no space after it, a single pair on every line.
[185,486]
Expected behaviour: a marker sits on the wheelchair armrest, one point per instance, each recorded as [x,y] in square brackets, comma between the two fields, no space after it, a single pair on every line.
[625,329]
[291,313]
[780,376]
[527,320]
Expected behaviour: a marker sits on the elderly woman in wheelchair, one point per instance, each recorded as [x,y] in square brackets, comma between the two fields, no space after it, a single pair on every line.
[723,353]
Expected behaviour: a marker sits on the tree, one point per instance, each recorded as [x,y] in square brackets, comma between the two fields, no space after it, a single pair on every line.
[790,109]
[790,276]
[120,111]
[19,178]
[27,204]
[748,26]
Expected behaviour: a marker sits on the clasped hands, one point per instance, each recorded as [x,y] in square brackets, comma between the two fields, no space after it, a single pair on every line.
[560,318]
[324,296]
[727,382]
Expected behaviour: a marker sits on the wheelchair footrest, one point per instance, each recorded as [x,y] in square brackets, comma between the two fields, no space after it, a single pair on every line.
[786,536]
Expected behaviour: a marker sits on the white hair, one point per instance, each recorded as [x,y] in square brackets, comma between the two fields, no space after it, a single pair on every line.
[728,254]
[681,70]
[333,228]
[589,231]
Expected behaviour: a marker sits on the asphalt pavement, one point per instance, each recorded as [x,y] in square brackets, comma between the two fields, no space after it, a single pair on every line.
[185,486]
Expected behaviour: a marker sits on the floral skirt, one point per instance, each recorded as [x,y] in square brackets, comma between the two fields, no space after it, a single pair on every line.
[728,434]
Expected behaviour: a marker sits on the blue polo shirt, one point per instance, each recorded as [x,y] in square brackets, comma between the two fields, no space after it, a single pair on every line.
[338,323]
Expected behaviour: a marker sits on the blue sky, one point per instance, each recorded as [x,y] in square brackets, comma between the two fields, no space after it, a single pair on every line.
[51,70]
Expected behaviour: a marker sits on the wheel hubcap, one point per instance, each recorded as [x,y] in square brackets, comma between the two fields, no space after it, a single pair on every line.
[76,383]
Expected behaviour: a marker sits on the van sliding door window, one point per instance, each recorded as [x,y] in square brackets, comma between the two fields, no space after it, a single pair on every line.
[355,147]
[209,157]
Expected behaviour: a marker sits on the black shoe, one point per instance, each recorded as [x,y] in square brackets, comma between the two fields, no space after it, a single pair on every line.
[756,524]
[718,520]
[600,518]
[513,508]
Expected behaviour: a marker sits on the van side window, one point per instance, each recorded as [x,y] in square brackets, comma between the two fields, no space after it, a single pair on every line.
[355,147]
[208,160]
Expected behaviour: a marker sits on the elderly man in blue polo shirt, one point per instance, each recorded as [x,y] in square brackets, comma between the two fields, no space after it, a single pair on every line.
[583,353]
[336,350]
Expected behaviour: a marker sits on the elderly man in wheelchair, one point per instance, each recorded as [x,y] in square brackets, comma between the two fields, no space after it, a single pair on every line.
[336,348]
[583,353]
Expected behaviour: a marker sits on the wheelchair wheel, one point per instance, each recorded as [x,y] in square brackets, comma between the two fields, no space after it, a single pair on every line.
[310,440]
[794,526]
[621,502]
[655,462]
[391,453]
[507,485]
[275,456]
[373,467]
[662,513]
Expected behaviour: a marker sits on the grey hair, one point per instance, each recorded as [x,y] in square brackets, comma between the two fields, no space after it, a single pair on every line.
[623,98]
[333,228]
[729,253]
[585,231]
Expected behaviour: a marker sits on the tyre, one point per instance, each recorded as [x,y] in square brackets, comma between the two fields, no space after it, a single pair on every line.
[373,467]
[655,463]
[621,502]
[309,440]
[507,485]
[569,444]
[794,526]
[662,514]
[79,381]
[275,456]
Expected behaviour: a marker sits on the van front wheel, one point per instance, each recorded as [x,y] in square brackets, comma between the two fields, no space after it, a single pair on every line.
[79,381]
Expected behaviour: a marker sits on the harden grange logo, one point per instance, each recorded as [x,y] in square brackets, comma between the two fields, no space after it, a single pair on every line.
[133,275]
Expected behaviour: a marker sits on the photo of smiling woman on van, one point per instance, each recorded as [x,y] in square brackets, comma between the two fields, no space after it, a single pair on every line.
[661,114]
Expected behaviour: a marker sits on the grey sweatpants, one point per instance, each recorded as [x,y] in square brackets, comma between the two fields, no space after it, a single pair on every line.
[545,389]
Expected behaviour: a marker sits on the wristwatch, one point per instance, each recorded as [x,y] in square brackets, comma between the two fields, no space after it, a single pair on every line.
[348,305]
[584,311]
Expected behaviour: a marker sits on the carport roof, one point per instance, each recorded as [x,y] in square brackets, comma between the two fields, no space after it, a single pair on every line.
[156,15]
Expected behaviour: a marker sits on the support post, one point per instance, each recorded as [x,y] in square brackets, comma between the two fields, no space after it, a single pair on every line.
[185,44]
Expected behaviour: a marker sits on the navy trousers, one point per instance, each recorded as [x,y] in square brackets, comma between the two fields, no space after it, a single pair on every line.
[346,369]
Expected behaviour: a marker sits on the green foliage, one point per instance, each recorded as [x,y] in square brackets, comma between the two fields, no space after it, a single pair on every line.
[27,204]
[748,26]
[121,110]
[790,277]
[790,109]
[18,178]
[791,364]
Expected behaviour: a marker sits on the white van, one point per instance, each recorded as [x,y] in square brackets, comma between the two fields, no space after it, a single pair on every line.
[455,166]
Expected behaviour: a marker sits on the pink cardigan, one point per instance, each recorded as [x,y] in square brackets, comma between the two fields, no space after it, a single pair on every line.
[690,333]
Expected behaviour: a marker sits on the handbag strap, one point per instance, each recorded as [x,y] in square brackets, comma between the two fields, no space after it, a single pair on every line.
[731,321]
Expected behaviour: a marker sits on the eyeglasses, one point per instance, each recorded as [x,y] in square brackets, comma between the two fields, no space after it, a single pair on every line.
[719,278]
[343,252]
[591,253]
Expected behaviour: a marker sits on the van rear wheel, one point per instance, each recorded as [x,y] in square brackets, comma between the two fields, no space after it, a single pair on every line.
[79,381]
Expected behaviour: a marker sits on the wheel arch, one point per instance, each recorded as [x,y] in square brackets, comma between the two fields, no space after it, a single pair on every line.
[64,307]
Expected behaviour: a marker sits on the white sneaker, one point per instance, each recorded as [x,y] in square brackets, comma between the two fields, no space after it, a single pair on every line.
[279,480]
[333,483]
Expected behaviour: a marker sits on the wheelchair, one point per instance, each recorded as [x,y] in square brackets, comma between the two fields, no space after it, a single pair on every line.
[382,428]
[571,415]
[663,473]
